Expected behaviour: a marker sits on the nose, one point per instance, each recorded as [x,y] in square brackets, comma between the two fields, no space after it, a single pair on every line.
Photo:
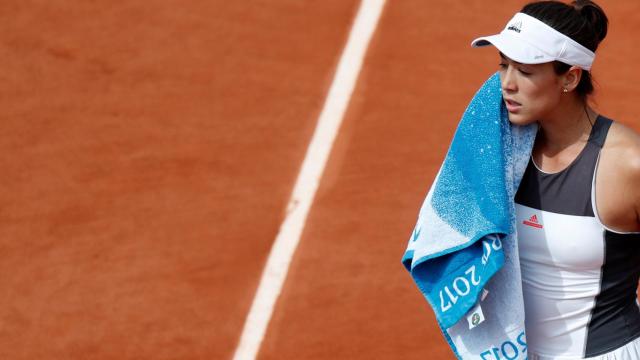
[508,80]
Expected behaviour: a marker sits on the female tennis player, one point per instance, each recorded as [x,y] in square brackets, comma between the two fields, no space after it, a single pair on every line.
[578,205]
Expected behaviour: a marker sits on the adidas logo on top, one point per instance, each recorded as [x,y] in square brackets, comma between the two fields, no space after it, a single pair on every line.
[516,26]
[533,222]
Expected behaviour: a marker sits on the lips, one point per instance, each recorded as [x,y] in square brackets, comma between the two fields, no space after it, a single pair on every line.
[512,106]
[511,102]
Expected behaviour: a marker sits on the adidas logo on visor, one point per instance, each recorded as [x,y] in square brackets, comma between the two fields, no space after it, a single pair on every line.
[516,26]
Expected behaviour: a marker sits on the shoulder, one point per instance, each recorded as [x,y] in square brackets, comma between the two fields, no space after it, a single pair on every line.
[624,142]
[619,176]
[623,148]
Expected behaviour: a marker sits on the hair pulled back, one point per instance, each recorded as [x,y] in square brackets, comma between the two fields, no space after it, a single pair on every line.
[581,20]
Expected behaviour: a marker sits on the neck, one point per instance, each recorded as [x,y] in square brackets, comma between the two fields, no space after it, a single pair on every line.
[568,125]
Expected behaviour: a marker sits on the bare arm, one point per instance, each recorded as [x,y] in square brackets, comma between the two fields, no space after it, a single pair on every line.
[633,172]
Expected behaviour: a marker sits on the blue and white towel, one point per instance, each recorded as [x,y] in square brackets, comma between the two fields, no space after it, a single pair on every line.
[463,252]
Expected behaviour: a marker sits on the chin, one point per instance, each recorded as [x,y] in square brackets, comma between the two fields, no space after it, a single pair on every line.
[520,119]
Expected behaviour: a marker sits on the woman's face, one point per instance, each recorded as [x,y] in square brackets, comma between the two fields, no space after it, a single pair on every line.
[530,92]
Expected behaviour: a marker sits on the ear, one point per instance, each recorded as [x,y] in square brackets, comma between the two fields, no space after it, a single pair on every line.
[571,78]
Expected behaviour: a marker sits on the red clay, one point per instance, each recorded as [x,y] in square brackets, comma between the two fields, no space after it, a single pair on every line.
[148,152]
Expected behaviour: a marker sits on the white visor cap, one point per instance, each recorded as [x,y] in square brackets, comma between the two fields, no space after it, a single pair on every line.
[528,40]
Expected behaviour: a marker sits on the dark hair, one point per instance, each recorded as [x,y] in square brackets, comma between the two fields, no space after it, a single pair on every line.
[582,20]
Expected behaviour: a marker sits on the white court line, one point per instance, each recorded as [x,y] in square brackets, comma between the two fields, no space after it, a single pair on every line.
[285,244]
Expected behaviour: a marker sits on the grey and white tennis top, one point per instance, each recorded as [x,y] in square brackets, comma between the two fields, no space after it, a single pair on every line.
[579,278]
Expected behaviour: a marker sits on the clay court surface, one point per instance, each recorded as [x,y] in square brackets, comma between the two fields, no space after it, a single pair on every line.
[148,150]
